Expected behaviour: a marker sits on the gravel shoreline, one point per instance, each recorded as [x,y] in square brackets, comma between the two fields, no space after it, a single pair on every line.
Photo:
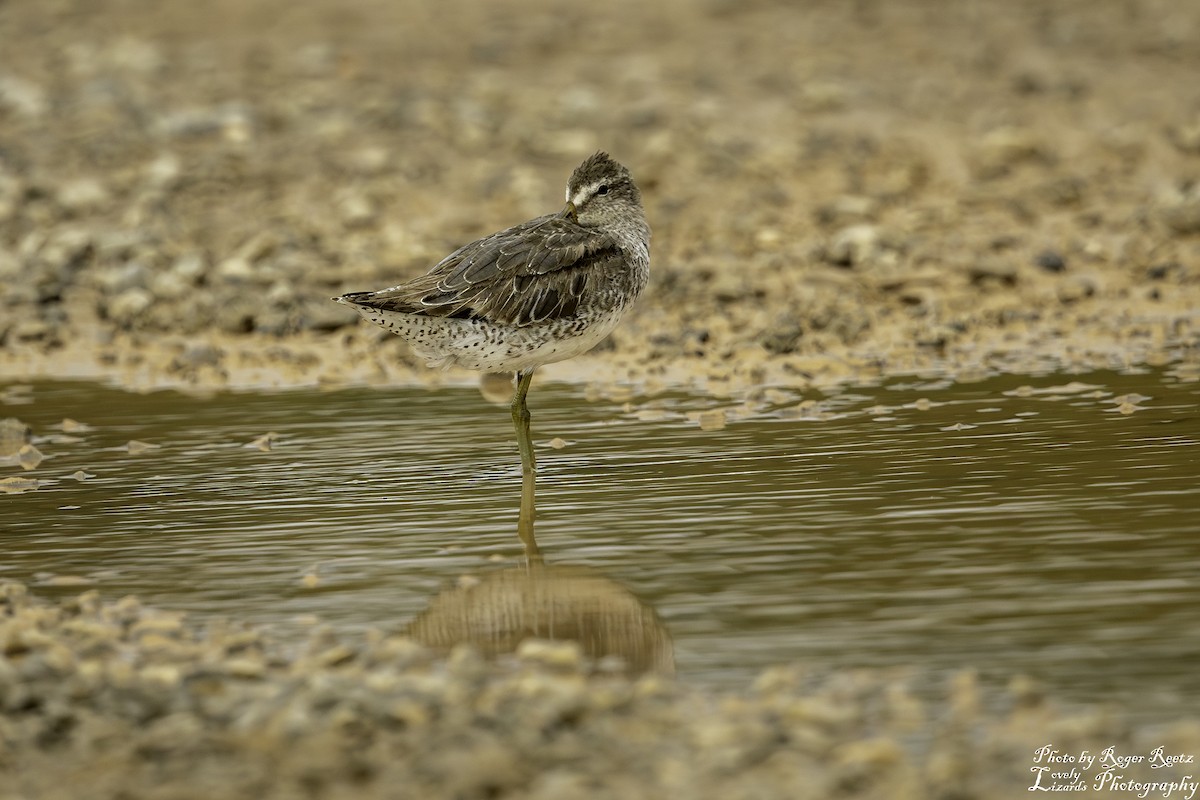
[877,188]
[112,699]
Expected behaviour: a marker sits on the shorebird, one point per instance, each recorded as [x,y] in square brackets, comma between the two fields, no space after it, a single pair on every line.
[539,292]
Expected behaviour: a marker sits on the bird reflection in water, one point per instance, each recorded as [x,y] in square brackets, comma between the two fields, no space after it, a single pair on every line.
[551,602]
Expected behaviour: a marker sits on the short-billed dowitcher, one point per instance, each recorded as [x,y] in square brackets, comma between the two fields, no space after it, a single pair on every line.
[539,292]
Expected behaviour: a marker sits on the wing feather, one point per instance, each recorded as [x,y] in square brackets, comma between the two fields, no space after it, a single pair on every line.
[530,273]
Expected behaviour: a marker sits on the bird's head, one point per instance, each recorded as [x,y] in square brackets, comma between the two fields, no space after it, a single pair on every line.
[601,193]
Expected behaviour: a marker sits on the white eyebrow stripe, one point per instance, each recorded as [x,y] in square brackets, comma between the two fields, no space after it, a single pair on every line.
[585,192]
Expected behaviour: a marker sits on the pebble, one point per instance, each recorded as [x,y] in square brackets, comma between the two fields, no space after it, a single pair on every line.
[123,277]
[265,442]
[237,269]
[357,211]
[1181,212]
[856,245]
[129,305]
[22,97]
[1050,261]
[82,195]
[29,457]
[556,655]
[198,355]
[171,285]
[16,485]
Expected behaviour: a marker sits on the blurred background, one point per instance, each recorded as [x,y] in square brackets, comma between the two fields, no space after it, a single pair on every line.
[894,181]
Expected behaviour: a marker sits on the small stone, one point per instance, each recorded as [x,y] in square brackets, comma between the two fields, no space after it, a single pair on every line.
[171,286]
[29,457]
[357,211]
[713,420]
[15,485]
[73,426]
[22,96]
[1158,272]
[768,238]
[163,171]
[248,668]
[129,304]
[1187,137]
[129,275]
[281,295]
[1132,397]
[237,269]
[82,194]
[135,447]
[855,245]
[558,443]
[190,267]
[556,655]
[783,336]
[195,356]
[1050,261]
[1182,214]
[264,442]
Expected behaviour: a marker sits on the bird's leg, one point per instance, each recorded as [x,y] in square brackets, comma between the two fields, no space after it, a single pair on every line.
[520,415]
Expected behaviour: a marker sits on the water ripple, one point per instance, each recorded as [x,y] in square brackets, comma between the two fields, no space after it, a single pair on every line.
[1015,532]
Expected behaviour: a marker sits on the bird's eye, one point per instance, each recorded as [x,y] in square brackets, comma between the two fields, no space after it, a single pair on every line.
[603,189]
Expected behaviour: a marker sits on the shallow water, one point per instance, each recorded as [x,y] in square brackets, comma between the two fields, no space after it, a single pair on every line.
[1048,531]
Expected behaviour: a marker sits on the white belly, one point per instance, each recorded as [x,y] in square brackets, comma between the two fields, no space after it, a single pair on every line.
[473,344]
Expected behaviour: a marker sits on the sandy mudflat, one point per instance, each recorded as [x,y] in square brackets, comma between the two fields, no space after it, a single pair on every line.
[116,700]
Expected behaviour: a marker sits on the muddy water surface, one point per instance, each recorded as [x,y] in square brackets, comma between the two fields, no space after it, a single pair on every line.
[1037,525]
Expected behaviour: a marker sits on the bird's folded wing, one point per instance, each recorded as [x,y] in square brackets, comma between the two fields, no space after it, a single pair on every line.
[533,272]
